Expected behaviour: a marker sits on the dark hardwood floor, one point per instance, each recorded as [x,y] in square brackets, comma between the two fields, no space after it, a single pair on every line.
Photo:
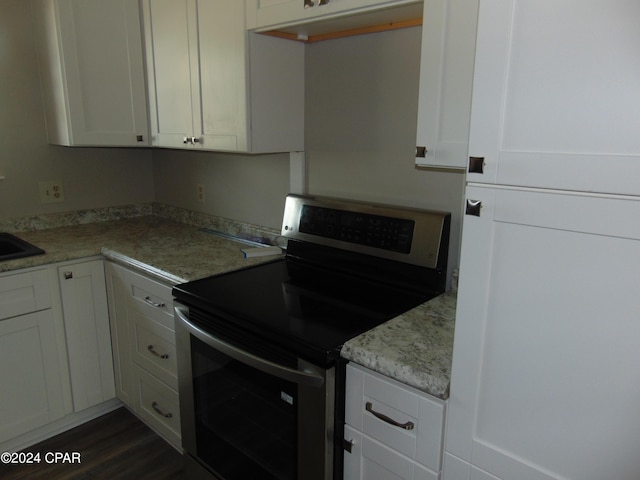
[114,446]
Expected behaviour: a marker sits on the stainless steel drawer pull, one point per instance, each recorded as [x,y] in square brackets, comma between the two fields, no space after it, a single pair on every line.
[155,406]
[384,418]
[154,304]
[152,349]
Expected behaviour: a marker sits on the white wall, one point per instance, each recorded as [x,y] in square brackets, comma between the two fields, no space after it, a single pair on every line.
[249,188]
[360,123]
[92,178]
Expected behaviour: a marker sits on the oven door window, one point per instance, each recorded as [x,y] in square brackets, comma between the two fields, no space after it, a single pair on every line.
[246,420]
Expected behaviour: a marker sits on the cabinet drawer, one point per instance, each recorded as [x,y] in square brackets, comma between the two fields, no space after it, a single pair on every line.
[374,401]
[158,405]
[24,292]
[154,348]
[151,298]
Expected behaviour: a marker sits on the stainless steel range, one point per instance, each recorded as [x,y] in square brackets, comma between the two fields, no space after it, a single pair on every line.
[261,378]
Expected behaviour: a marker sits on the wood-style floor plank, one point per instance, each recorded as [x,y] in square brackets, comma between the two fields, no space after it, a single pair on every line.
[114,446]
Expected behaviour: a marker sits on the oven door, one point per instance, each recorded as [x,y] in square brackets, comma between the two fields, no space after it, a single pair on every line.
[248,409]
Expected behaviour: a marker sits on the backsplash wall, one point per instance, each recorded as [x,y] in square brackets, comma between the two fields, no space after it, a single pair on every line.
[247,188]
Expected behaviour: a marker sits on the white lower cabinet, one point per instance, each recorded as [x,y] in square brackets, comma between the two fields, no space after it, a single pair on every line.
[142,330]
[56,366]
[86,321]
[31,377]
[395,431]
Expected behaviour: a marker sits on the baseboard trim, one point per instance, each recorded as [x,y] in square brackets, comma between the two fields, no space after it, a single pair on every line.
[52,429]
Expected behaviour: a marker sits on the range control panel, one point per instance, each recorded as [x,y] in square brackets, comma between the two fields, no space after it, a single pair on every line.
[387,233]
[404,234]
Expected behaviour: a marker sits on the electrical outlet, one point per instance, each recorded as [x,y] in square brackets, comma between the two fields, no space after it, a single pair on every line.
[51,191]
[200,192]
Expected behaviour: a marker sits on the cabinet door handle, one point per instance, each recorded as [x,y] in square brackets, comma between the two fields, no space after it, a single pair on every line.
[421,152]
[148,300]
[476,165]
[473,207]
[155,406]
[139,138]
[308,3]
[68,275]
[384,418]
[195,140]
[152,350]
[348,445]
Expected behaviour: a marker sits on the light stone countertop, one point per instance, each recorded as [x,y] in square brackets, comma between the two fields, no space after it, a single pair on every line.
[414,348]
[170,251]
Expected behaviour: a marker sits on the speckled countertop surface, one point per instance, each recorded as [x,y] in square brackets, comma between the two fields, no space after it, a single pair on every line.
[414,348]
[170,251]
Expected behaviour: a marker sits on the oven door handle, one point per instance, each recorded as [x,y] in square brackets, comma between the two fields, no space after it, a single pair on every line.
[280,371]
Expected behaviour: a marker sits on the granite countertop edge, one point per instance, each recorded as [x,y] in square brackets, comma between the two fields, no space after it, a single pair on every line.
[414,348]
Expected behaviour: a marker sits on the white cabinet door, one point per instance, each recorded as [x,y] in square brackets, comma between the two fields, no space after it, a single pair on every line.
[92,68]
[31,384]
[172,68]
[215,87]
[446,74]
[555,95]
[262,14]
[370,459]
[545,378]
[86,320]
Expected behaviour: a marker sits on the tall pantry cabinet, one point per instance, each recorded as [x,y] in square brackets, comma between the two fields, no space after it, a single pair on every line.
[545,380]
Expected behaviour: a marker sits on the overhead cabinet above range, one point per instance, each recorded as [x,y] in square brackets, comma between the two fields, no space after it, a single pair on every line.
[319,17]
[92,69]
[215,86]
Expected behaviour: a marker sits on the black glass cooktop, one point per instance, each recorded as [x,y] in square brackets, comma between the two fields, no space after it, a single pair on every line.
[302,307]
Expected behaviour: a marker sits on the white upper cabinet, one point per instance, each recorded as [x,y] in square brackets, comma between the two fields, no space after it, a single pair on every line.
[556,95]
[446,75]
[271,14]
[92,69]
[214,86]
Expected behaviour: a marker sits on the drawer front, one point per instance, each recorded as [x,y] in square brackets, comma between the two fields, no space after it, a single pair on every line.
[150,298]
[382,408]
[158,405]
[154,348]
[398,405]
[155,301]
[22,293]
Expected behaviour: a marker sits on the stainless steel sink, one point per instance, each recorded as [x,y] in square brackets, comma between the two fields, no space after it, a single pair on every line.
[13,247]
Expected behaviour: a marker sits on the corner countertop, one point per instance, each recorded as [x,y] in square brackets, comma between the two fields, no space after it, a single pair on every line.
[415,348]
[167,250]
